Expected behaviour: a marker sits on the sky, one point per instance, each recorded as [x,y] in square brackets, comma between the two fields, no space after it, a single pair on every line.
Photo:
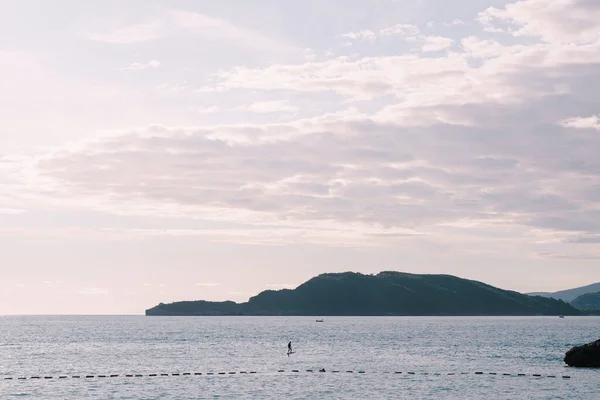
[157,151]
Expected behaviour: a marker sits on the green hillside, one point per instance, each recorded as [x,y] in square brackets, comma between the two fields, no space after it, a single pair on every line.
[587,302]
[387,293]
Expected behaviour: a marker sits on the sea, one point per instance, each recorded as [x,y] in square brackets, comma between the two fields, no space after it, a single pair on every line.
[73,357]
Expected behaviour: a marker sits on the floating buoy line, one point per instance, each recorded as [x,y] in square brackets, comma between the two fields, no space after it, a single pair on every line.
[293,371]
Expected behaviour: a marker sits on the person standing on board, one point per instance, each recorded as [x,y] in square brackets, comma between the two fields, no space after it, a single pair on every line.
[289,348]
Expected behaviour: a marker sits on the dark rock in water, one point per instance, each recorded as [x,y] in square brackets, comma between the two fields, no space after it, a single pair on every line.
[587,355]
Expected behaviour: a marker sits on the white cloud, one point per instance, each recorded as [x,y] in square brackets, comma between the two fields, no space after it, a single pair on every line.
[436,43]
[267,107]
[136,33]
[365,34]
[171,22]
[592,122]
[454,22]
[349,170]
[240,293]
[410,33]
[281,286]
[502,74]
[481,156]
[399,29]
[310,54]
[93,292]
[370,36]
[553,21]
[158,285]
[136,66]
[570,255]
[208,110]
[364,78]
[268,232]
[257,229]
[208,284]
[458,145]
[215,29]
[11,211]
[171,88]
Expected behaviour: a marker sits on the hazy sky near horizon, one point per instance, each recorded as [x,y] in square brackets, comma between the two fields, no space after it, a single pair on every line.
[155,151]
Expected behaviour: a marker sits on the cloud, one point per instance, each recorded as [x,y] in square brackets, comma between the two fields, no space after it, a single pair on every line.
[345,170]
[171,22]
[215,29]
[570,256]
[136,66]
[399,29]
[410,33]
[585,239]
[136,33]
[552,21]
[365,34]
[208,110]
[93,292]
[239,293]
[281,286]
[169,88]
[592,122]
[364,78]
[481,143]
[370,36]
[208,284]
[436,43]
[11,211]
[267,107]
[255,230]
[454,22]
[482,71]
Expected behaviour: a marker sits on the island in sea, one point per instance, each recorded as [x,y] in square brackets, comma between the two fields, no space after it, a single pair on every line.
[570,295]
[589,302]
[388,293]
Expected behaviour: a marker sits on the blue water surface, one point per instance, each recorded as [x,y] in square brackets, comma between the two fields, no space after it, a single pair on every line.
[442,354]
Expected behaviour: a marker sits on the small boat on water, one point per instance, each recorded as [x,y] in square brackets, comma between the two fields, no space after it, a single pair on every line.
[319,320]
[561,316]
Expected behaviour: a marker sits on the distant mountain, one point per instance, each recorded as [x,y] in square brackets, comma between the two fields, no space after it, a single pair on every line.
[570,294]
[388,293]
[588,302]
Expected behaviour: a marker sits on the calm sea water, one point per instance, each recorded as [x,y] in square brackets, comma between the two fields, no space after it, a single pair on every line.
[380,346]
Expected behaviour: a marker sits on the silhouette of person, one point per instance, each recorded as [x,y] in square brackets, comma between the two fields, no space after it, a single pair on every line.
[289,348]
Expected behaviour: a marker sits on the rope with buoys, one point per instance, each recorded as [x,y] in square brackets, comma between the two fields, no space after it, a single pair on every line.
[294,371]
